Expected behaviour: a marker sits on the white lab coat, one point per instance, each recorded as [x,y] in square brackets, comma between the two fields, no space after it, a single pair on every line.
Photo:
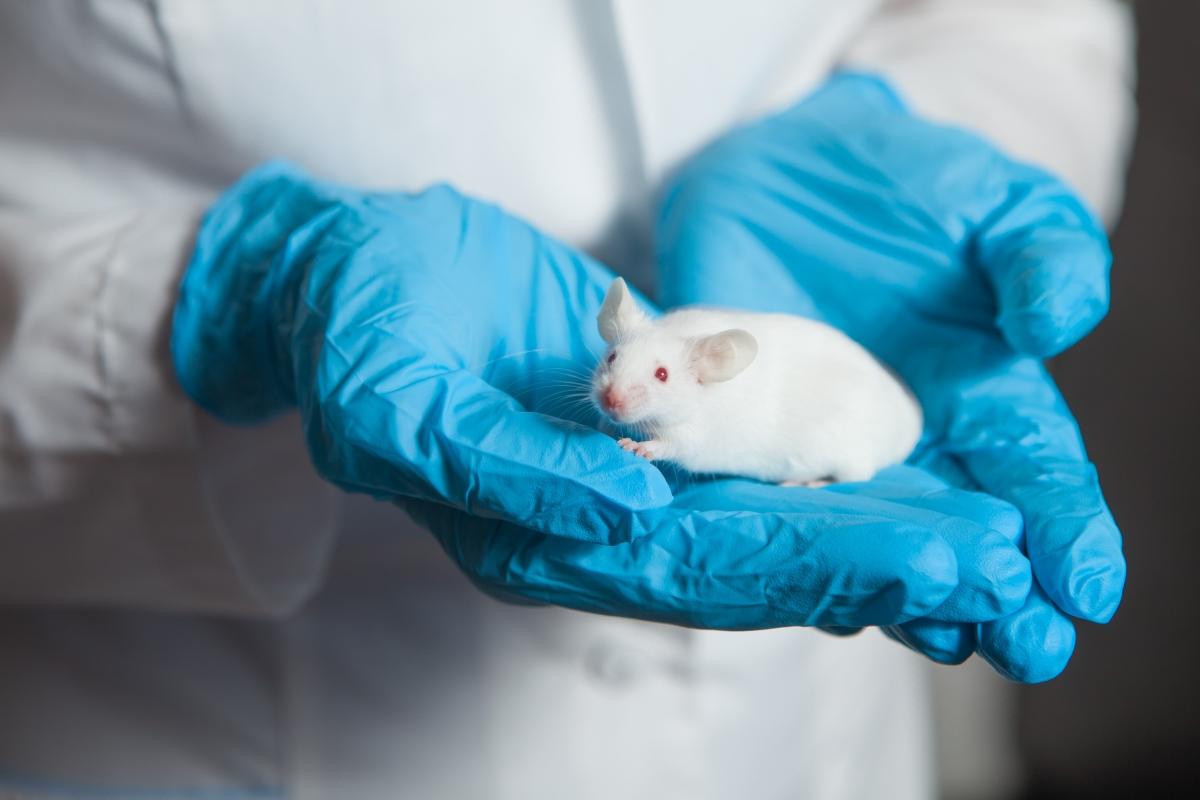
[190,613]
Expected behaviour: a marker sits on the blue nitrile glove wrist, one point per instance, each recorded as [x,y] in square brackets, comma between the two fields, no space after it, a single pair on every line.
[958,267]
[430,343]
[236,311]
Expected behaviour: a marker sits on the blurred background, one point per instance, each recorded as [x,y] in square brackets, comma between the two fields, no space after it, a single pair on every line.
[1124,719]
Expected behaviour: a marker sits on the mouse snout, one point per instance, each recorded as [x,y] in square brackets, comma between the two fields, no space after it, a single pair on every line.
[612,400]
[621,403]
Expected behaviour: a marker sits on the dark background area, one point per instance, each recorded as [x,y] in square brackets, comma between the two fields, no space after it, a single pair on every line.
[1124,719]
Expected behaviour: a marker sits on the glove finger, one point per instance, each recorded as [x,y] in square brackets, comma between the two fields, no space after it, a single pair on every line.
[1048,261]
[715,569]
[943,642]
[1030,453]
[480,452]
[1031,646]
[994,576]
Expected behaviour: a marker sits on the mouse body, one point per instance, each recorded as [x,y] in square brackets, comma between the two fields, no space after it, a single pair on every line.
[774,397]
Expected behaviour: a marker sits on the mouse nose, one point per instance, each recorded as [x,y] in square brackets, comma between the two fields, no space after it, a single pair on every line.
[612,400]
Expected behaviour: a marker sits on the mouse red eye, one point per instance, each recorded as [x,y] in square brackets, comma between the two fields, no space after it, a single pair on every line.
[661,374]
[612,357]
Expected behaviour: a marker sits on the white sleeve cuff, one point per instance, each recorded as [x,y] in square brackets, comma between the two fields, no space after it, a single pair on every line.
[114,488]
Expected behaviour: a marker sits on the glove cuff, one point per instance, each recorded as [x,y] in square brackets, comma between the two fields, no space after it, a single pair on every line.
[233,318]
[867,86]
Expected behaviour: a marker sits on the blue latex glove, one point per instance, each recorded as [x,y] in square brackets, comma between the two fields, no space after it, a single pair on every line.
[420,336]
[956,266]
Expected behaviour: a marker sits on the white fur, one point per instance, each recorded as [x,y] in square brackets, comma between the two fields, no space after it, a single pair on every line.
[809,404]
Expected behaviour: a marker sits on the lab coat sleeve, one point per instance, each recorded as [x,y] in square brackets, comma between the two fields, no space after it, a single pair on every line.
[114,488]
[1049,81]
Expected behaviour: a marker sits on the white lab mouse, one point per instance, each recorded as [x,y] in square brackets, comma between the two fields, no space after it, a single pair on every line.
[774,397]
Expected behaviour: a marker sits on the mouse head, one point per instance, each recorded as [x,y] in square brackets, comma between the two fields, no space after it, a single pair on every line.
[652,375]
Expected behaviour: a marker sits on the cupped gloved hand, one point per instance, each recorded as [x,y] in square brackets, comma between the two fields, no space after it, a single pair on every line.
[399,324]
[424,339]
[735,554]
[958,267]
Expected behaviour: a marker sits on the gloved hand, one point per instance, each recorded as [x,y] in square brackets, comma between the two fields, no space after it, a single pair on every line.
[736,554]
[957,267]
[399,325]
[421,336]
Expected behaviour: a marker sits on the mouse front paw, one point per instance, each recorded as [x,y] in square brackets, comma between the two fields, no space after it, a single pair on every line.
[650,450]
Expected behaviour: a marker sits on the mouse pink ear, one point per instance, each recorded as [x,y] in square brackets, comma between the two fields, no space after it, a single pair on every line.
[620,313]
[723,355]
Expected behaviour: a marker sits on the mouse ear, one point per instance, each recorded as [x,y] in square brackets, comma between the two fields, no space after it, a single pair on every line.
[723,355]
[620,313]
